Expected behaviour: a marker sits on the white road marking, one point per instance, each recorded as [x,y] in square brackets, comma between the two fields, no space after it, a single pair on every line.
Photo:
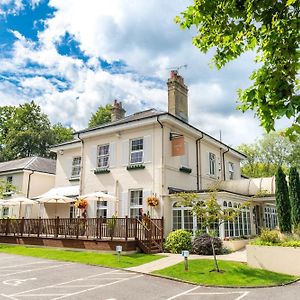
[59,284]
[98,286]
[183,293]
[8,297]
[32,270]
[22,265]
[16,282]
[242,296]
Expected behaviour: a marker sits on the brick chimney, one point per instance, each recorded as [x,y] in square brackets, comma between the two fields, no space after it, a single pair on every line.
[117,111]
[177,96]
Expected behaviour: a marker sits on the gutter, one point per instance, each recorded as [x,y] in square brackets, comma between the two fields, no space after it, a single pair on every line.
[223,158]
[81,164]
[28,184]
[198,162]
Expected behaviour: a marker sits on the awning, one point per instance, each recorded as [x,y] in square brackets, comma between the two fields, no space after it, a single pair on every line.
[67,191]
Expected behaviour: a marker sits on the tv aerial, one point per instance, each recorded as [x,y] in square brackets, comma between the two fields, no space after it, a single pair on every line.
[177,68]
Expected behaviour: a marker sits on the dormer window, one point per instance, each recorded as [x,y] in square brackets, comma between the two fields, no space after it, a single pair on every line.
[76,167]
[136,151]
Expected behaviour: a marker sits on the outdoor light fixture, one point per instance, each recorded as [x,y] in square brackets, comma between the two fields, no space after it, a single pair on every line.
[61,152]
[185,254]
[175,135]
[119,251]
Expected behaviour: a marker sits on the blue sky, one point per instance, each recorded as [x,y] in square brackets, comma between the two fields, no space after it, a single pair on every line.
[72,56]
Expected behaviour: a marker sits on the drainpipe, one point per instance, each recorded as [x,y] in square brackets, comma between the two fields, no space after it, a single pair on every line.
[198,162]
[163,157]
[81,164]
[28,184]
[224,171]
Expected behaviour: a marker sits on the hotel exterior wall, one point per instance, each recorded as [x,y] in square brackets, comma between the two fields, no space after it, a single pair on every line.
[64,166]
[39,183]
[120,180]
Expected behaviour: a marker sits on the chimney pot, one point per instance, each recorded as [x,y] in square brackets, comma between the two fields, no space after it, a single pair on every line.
[117,112]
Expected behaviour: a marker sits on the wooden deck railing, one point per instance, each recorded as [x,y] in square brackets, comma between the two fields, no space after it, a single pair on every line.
[79,228]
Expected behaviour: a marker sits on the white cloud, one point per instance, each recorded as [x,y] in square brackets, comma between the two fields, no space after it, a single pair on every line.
[144,36]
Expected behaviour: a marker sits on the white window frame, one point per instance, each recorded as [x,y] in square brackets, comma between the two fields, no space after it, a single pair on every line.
[75,167]
[134,206]
[231,170]
[101,209]
[103,156]
[136,151]
[72,211]
[212,162]
[184,211]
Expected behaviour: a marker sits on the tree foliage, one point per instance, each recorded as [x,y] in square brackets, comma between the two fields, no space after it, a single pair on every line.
[269,152]
[283,206]
[209,213]
[294,194]
[61,133]
[271,29]
[5,186]
[101,116]
[26,131]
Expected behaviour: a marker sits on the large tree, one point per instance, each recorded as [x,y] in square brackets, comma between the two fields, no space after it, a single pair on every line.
[26,131]
[268,27]
[266,154]
[282,202]
[294,193]
[61,133]
[101,116]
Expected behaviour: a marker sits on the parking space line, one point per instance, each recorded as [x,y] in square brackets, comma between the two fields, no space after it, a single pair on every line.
[242,294]
[59,284]
[32,270]
[183,293]
[97,287]
[22,265]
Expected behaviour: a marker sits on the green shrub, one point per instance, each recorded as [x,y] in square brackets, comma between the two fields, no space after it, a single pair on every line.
[202,245]
[178,240]
[269,236]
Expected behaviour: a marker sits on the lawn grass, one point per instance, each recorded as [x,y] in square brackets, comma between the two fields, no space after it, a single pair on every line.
[103,259]
[235,274]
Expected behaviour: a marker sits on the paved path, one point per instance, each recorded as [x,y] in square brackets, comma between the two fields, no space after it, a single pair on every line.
[173,259]
[23,278]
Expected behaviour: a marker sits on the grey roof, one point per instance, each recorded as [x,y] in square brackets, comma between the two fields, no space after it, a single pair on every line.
[134,117]
[39,164]
[150,113]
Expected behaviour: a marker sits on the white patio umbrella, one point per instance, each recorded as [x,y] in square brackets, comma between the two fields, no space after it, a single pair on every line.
[7,203]
[97,196]
[19,201]
[57,199]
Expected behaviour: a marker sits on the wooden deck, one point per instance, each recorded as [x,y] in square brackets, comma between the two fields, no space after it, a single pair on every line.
[90,233]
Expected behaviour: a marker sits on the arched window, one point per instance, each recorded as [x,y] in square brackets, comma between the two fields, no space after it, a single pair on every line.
[225,204]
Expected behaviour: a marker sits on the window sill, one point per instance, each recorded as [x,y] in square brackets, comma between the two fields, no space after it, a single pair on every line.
[135,167]
[185,170]
[101,171]
[74,179]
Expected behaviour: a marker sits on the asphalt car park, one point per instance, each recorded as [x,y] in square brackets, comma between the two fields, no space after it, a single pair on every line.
[34,278]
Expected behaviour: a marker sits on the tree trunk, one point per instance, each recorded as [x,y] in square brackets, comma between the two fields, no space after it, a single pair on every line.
[214,254]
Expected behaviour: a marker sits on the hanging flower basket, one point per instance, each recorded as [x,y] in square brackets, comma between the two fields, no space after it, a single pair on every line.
[81,204]
[152,201]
